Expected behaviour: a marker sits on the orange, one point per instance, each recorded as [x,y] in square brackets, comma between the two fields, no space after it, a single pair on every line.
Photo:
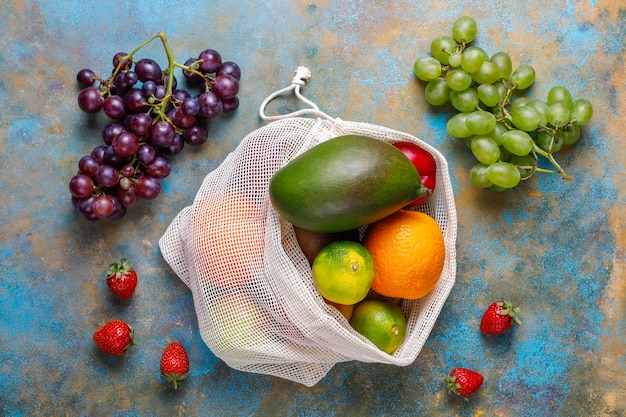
[409,254]
[343,272]
[228,238]
[382,322]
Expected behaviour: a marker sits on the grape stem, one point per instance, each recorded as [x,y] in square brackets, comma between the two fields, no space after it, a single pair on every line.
[550,157]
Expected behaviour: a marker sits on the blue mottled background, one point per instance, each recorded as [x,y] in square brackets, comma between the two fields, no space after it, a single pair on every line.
[555,248]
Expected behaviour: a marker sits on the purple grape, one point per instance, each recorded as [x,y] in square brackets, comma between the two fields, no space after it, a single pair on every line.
[127,171]
[210,105]
[147,187]
[125,144]
[130,78]
[138,123]
[230,105]
[191,76]
[211,61]
[107,176]
[146,153]
[90,100]
[190,106]
[88,166]
[181,95]
[86,77]
[148,70]
[113,159]
[165,81]
[148,88]
[159,168]
[85,207]
[81,186]
[98,154]
[180,119]
[162,134]
[225,86]
[176,147]
[114,107]
[119,85]
[196,135]
[230,68]
[117,59]
[127,197]
[135,101]
[161,92]
[118,213]
[103,206]
[111,130]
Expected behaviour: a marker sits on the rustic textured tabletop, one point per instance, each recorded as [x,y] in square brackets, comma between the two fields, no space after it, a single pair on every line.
[556,248]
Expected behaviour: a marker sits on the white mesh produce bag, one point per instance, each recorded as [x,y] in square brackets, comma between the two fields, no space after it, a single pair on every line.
[257,306]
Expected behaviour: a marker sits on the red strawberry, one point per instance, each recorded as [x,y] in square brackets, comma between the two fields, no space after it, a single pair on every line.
[122,279]
[114,337]
[463,381]
[174,363]
[499,317]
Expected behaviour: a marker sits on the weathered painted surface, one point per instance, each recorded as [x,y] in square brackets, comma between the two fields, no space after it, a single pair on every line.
[556,248]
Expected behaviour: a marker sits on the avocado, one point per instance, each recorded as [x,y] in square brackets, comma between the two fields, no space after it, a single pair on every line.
[344,183]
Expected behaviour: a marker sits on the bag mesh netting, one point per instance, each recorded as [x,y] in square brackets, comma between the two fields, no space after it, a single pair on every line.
[257,306]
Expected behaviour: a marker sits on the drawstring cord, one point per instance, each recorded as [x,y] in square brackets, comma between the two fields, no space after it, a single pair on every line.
[302,75]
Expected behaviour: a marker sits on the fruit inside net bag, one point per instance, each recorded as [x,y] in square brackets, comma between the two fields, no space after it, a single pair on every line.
[257,306]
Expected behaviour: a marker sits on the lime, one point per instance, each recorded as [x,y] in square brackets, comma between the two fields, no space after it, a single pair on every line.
[343,272]
[382,322]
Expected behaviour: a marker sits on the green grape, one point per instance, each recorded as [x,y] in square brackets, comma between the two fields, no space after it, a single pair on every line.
[458,80]
[518,102]
[549,143]
[497,189]
[502,60]
[464,29]
[481,122]
[505,154]
[523,76]
[488,95]
[525,164]
[473,58]
[441,47]
[478,176]
[454,60]
[464,101]
[502,91]
[485,149]
[487,73]
[427,68]
[517,142]
[560,94]
[497,132]
[582,110]
[467,141]
[569,135]
[558,114]
[437,92]
[525,118]
[503,174]
[541,109]
[457,126]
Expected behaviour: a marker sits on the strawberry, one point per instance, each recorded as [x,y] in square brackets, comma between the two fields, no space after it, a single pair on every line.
[114,337]
[174,363]
[122,279]
[463,381]
[499,317]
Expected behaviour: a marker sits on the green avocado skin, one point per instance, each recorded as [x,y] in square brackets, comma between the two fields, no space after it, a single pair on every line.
[344,183]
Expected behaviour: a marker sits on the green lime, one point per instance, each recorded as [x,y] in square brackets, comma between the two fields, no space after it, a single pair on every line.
[382,322]
[343,272]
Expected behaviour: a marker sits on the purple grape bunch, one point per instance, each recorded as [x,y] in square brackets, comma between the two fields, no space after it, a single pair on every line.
[152,118]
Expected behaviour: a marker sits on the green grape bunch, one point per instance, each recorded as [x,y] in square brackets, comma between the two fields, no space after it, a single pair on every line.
[506,130]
